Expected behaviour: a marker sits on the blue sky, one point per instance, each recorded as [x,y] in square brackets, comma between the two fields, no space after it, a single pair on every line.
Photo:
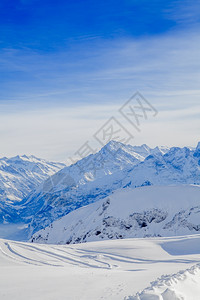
[48,26]
[67,66]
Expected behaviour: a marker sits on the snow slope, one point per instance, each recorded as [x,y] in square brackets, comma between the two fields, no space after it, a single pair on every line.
[19,176]
[115,166]
[128,213]
[180,286]
[106,270]
[87,181]
[71,188]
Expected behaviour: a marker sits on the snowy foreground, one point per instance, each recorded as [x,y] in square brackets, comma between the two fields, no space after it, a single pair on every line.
[114,269]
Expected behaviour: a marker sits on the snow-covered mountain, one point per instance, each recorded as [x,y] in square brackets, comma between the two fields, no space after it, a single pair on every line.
[129,213]
[177,166]
[87,181]
[19,176]
[90,180]
[115,166]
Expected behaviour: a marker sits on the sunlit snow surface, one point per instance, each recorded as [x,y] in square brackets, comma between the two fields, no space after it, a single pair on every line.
[115,270]
[122,166]
[129,213]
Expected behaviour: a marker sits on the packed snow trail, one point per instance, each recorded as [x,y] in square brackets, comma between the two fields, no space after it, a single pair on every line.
[91,271]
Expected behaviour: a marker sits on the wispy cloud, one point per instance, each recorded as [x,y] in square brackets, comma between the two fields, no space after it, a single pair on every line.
[184,12]
[57,133]
[53,103]
[165,63]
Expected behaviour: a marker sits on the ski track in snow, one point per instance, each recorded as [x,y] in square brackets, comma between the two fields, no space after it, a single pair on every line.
[61,257]
[79,257]
[95,271]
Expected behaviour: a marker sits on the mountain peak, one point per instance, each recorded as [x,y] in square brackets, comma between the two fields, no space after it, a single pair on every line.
[113,145]
[197,151]
[145,146]
[198,146]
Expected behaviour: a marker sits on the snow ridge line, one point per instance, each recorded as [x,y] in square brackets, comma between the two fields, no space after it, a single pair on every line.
[160,288]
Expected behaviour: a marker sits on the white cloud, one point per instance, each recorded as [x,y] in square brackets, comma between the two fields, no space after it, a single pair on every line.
[56,105]
[57,133]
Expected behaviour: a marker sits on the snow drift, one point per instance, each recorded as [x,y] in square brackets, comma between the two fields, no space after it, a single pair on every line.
[185,285]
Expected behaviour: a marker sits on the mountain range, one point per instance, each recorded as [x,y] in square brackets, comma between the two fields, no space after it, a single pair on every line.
[19,176]
[89,180]
[115,167]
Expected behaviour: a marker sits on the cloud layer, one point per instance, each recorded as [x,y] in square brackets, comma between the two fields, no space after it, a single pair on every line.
[53,101]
